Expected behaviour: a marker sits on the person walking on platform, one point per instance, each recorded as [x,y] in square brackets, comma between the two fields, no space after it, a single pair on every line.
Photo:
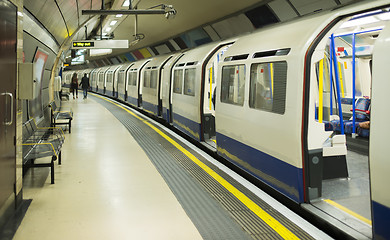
[74,85]
[85,85]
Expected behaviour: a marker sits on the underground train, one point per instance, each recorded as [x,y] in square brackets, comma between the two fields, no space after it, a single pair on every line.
[263,100]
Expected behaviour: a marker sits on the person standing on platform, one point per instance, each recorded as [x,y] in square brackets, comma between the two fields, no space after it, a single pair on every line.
[85,85]
[74,85]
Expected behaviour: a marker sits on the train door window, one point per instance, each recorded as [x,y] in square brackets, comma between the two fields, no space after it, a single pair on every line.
[233,84]
[101,75]
[121,77]
[323,80]
[178,81]
[189,81]
[268,86]
[153,79]
[109,77]
[147,79]
[132,78]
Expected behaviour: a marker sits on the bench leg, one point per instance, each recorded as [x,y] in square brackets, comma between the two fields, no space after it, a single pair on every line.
[70,125]
[59,159]
[52,171]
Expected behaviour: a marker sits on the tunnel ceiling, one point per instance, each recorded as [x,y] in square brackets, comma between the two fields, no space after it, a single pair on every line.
[217,18]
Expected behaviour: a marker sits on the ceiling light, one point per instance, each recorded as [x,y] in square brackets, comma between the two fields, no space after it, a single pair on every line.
[126,3]
[108,29]
[105,33]
[119,15]
[99,52]
[112,23]
[359,22]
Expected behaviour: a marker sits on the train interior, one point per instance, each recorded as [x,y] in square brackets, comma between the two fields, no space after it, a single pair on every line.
[342,70]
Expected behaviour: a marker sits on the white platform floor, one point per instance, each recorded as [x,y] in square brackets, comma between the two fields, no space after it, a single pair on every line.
[106,188]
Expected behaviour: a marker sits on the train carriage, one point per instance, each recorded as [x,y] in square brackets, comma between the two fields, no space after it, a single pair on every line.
[134,81]
[165,87]
[188,90]
[101,81]
[111,74]
[121,89]
[151,87]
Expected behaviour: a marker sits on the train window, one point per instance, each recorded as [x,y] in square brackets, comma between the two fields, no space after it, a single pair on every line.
[132,78]
[101,77]
[153,79]
[121,77]
[268,86]
[178,81]
[109,77]
[189,81]
[147,79]
[233,84]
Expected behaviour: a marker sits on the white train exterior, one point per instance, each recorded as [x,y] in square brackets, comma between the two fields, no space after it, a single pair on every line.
[266,98]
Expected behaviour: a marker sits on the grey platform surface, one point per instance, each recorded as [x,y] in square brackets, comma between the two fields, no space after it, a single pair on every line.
[216,212]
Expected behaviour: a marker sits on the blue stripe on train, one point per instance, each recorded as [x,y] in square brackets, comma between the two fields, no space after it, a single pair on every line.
[122,96]
[165,114]
[187,126]
[109,93]
[133,101]
[150,107]
[380,221]
[282,176]
[101,90]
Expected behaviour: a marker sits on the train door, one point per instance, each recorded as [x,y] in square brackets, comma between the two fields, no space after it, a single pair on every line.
[208,101]
[338,179]
[7,100]
[379,160]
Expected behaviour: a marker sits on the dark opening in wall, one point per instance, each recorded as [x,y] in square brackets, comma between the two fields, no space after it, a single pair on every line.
[261,16]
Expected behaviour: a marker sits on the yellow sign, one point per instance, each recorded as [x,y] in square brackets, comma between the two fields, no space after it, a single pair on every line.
[83,44]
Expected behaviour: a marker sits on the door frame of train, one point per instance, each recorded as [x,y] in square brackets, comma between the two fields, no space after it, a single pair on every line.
[378,145]
[170,87]
[140,75]
[202,87]
[307,155]
[159,100]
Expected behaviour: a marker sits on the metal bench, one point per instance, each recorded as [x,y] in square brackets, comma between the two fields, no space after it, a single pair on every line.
[41,143]
[60,115]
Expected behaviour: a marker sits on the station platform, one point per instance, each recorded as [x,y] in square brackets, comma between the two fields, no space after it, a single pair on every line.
[125,176]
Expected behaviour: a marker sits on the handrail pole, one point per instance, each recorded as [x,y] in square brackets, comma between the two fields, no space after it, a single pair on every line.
[337,84]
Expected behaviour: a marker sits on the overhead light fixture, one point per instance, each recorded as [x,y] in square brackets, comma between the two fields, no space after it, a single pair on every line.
[105,33]
[99,52]
[108,29]
[167,10]
[359,22]
[119,15]
[112,23]
[126,3]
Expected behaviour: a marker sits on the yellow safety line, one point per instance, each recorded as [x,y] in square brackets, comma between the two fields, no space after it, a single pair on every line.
[31,144]
[268,219]
[272,78]
[211,88]
[321,90]
[341,81]
[348,211]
